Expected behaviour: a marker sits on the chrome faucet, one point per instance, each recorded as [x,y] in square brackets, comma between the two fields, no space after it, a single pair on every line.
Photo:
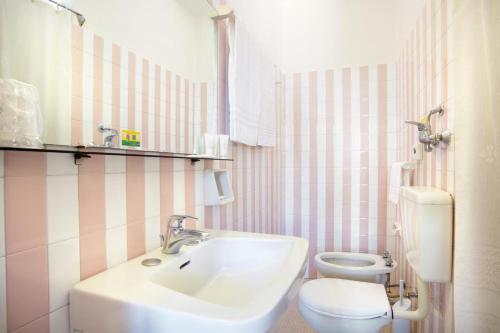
[425,135]
[108,139]
[176,235]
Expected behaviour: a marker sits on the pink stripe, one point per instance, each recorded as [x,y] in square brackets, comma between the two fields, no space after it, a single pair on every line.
[259,178]
[187,116]
[25,178]
[297,156]
[313,170]
[168,103]
[166,193]
[27,277]
[157,107]
[444,86]
[222,76]
[208,214]
[190,191]
[177,113]
[365,159]
[425,80]
[268,190]
[192,113]
[433,84]
[382,158]
[253,188]
[244,166]
[77,85]
[25,238]
[135,207]
[234,182]
[40,325]
[330,179]
[145,104]
[412,83]
[203,108]
[98,88]
[282,159]
[91,192]
[346,193]
[131,90]
[418,172]
[116,86]
[409,133]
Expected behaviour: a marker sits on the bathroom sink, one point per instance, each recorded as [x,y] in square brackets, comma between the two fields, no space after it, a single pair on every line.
[235,282]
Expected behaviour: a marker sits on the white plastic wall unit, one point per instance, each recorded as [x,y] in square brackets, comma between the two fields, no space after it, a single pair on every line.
[218,189]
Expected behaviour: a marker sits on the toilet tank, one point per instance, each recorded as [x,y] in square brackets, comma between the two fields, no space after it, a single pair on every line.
[427,231]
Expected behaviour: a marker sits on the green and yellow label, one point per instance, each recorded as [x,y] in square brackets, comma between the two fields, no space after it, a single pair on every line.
[130,138]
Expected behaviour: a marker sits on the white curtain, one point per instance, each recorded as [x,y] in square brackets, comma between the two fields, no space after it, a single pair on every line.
[35,47]
[252,116]
[476,50]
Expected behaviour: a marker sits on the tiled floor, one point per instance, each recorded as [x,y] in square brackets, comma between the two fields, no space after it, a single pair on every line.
[292,322]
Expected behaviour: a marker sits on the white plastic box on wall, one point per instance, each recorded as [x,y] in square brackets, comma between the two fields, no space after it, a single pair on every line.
[218,189]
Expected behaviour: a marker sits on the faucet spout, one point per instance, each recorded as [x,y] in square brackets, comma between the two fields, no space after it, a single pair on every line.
[176,236]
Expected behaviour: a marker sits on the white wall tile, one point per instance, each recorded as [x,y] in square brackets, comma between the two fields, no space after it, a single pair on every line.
[2,172]
[152,194]
[2,219]
[116,199]
[151,164]
[62,207]
[61,164]
[115,164]
[59,321]
[64,271]
[3,297]
[116,246]
[152,233]
[179,192]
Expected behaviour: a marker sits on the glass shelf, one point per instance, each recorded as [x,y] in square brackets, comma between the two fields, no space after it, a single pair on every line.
[82,152]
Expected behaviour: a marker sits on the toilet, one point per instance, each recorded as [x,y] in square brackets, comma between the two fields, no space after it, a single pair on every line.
[334,305]
[353,266]
[338,305]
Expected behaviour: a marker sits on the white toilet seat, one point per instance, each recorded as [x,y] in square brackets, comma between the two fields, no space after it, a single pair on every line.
[353,266]
[345,298]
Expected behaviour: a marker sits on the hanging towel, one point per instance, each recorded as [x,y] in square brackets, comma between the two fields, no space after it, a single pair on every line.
[251,90]
[242,86]
[395,181]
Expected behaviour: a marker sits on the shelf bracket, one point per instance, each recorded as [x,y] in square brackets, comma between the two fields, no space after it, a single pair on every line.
[78,157]
[194,160]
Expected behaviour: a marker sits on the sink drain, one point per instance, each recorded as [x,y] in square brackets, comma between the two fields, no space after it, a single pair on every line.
[151,262]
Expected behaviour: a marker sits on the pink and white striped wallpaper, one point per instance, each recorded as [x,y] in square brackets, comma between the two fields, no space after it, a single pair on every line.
[423,73]
[339,140]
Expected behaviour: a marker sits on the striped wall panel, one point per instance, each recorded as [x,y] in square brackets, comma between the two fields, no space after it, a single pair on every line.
[339,135]
[422,72]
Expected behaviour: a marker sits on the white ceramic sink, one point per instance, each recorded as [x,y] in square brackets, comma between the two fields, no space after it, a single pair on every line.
[235,282]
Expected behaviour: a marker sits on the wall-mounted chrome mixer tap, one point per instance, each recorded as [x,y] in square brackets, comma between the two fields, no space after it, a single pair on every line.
[425,134]
[111,133]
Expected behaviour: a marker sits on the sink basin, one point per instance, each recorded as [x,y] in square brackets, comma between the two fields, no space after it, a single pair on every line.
[235,282]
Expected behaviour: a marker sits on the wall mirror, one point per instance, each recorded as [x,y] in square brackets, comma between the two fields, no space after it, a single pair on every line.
[136,67]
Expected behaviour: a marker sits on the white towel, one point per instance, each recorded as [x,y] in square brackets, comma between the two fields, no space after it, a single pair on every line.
[251,88]
[395,181]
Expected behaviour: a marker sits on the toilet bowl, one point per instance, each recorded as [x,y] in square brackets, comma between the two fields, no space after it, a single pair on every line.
[344,306]
[353,266]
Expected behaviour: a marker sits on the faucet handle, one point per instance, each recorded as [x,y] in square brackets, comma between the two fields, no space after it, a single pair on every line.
[420,126]
[179,219]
